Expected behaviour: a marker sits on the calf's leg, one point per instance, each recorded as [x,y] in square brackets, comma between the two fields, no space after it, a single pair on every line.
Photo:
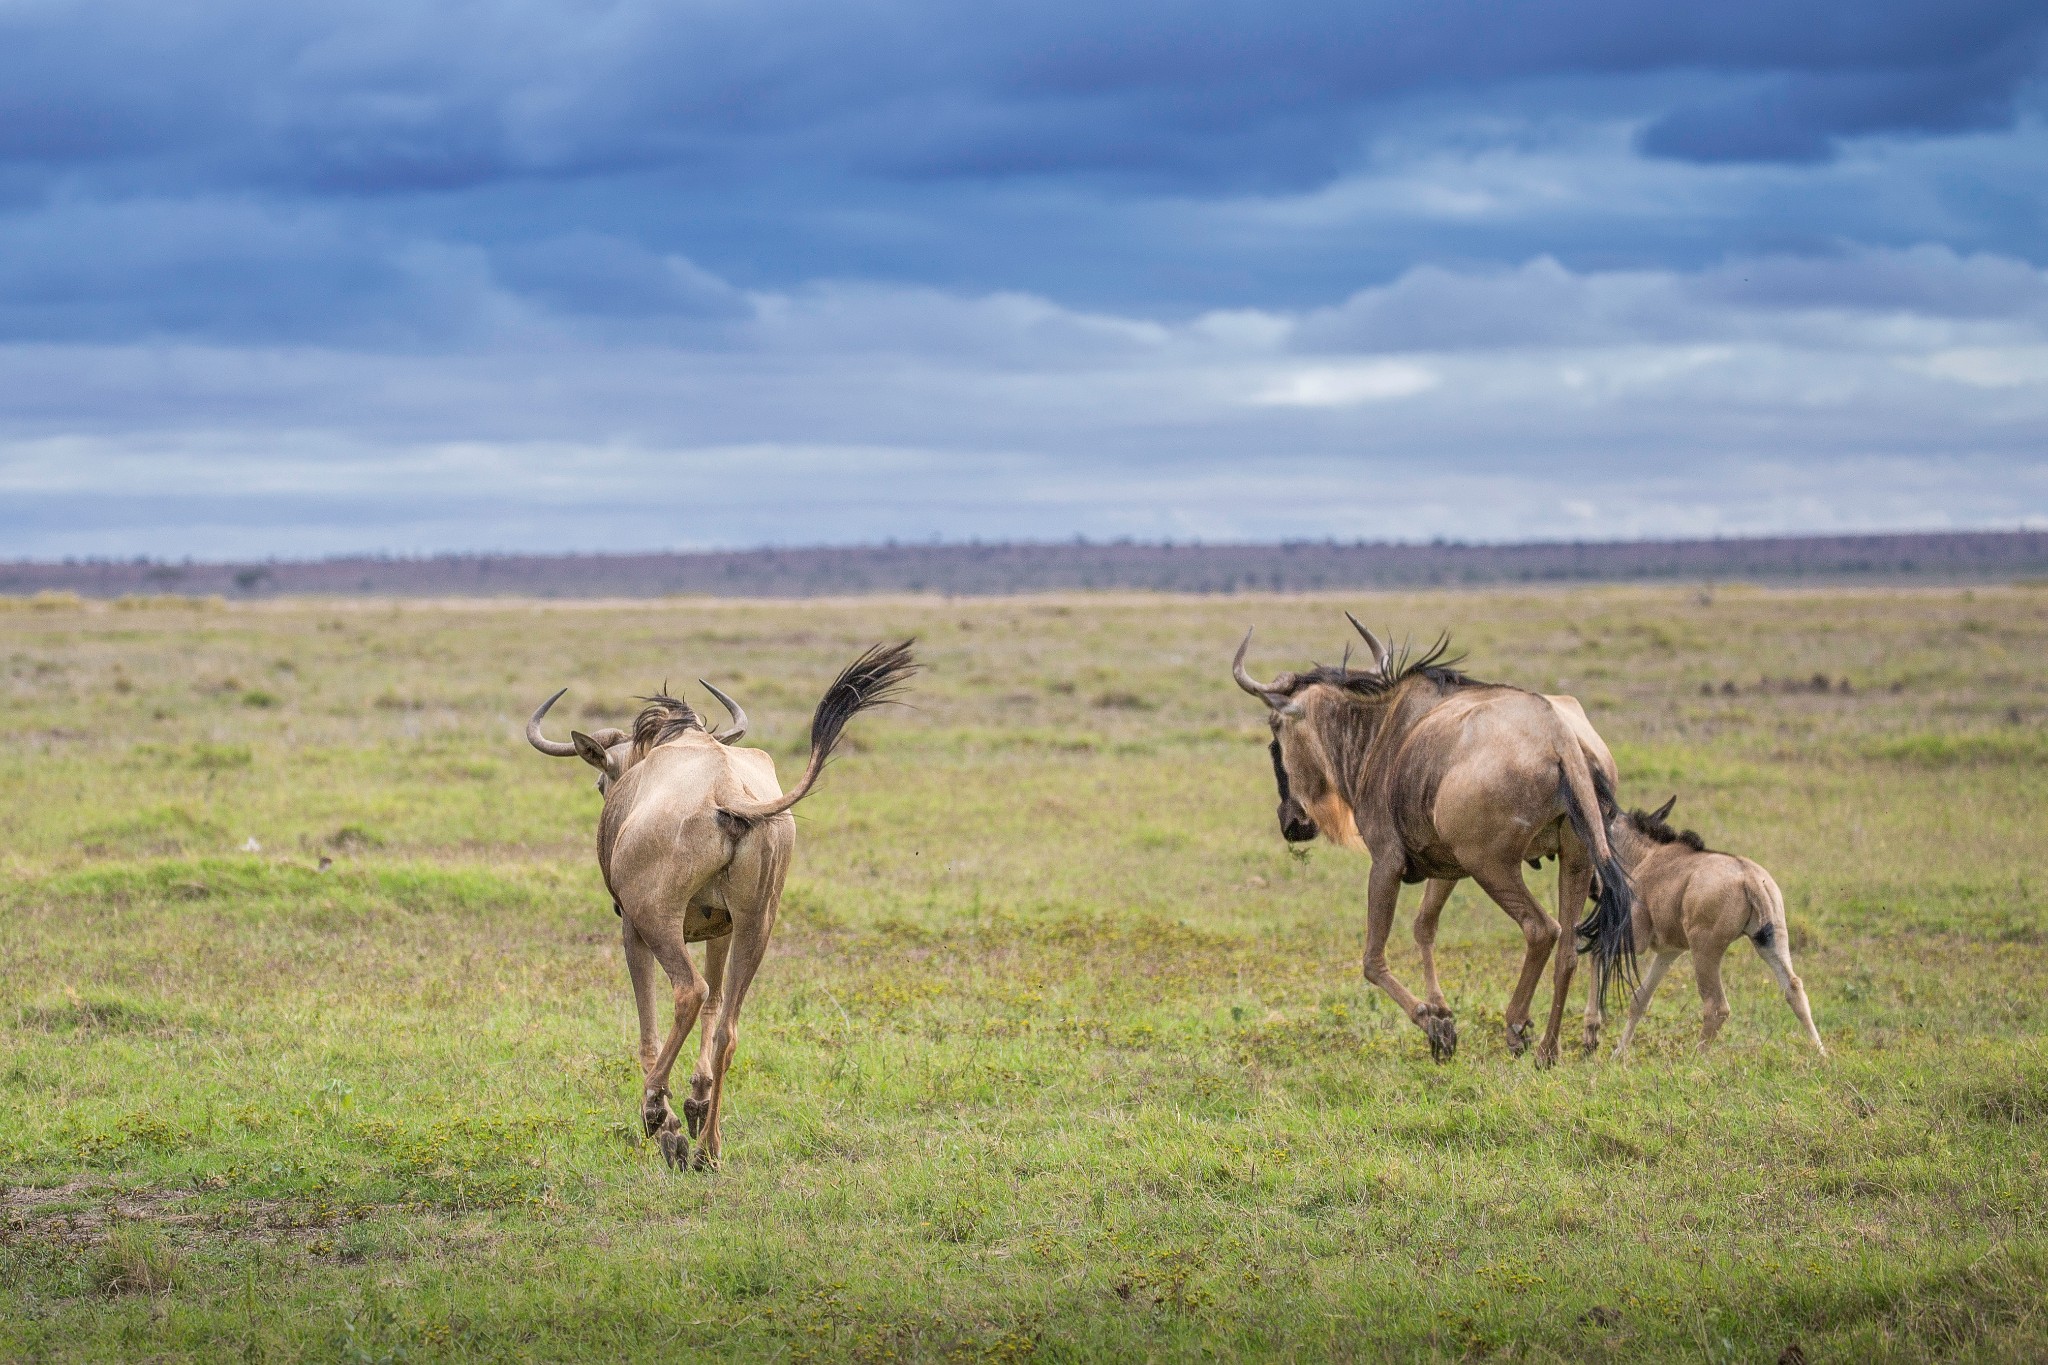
[1639,1004]
[1706,971]
[1777,955]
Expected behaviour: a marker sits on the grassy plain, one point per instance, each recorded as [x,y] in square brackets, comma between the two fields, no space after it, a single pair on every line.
[1059,1053]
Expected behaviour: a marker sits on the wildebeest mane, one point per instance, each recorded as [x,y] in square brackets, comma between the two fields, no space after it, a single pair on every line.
[1436,663]
[661,720]
[1658,830]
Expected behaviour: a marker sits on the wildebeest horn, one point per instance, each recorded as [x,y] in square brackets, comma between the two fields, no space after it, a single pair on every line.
[739,717]
[1380,653]
[1272,696]
[1665,809]
[542,742]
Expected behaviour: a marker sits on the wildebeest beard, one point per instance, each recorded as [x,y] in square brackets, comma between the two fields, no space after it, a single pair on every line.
[1295,826]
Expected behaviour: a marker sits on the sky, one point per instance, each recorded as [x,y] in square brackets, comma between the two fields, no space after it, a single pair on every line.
[415,277]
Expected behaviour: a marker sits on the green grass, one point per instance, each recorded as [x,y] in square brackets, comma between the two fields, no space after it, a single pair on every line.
[1059,1053]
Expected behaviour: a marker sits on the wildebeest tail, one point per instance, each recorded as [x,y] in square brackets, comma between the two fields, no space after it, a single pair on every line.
[1766,905]
[874,679]
[1608,930]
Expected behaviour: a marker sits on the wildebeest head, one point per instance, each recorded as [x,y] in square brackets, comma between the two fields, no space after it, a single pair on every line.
[612,751]
[1311,797]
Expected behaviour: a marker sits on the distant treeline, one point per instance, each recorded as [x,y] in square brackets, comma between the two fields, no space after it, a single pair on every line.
[987,570]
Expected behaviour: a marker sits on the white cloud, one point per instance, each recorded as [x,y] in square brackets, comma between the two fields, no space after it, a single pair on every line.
[1988,367]
[1506,403]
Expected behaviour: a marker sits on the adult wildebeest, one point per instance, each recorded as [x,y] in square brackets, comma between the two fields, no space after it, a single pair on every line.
[1690,898]
[1436,892]
[1441,777]
[694,843]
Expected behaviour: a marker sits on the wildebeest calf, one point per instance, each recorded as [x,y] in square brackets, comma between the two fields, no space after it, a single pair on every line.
[1690,898]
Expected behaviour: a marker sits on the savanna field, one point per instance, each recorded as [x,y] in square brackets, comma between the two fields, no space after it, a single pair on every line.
[1059,1054]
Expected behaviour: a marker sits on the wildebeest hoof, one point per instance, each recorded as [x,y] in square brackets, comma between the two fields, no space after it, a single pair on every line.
[1546,1054]
[1442,1031]
[706,1161]
[1590,1044]
[675,1148]
[1518,1037]
[655,1113]
[696,1111]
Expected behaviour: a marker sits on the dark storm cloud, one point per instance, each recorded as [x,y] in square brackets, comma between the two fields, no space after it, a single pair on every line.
[397,98]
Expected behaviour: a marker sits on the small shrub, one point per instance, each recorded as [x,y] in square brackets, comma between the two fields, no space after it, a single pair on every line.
[135,1260]
[261,700]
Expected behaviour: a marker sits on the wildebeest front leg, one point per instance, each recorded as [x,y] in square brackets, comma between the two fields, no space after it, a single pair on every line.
[1382,898]
[1574,884]
[1539,934]
[1639,1003]
[1436,893]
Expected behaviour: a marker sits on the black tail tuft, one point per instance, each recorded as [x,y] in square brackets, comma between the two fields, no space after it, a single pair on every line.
[1608,930]
[876,678]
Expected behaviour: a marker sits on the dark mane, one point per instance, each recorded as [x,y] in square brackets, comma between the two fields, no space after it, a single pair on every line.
[1658,831]
[1436,663]
[661,720]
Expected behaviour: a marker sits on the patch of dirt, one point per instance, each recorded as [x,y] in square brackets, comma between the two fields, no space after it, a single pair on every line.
[83,1213]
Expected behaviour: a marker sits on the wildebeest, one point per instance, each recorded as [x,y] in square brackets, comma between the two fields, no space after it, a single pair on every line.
[1436,892]
[694,843]
[1688,897]
[1440,777]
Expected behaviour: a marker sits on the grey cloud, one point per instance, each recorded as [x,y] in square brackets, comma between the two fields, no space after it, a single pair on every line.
[829,414]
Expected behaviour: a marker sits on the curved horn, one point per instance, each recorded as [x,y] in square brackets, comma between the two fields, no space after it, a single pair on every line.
[1380,653]
[1664,811]
[542,742]
[1244,679]
[739,716]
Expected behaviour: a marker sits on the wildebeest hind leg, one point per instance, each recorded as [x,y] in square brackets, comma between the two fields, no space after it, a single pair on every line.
[641,966]
[1382,897]
[749,940]
[1706,972]
[1778,958]
[1504,884]
[696,1108]
[1574,884]
[665,937]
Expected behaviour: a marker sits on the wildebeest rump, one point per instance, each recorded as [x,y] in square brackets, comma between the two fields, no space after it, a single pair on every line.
[695,842]
[1440,776]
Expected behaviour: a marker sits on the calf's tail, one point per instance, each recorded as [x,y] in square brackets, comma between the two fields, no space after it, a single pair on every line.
[1608,930]
[874,679]
[1766,907]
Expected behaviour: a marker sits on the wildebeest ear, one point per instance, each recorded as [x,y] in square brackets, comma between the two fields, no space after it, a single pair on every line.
[1664,809]
[593,753]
